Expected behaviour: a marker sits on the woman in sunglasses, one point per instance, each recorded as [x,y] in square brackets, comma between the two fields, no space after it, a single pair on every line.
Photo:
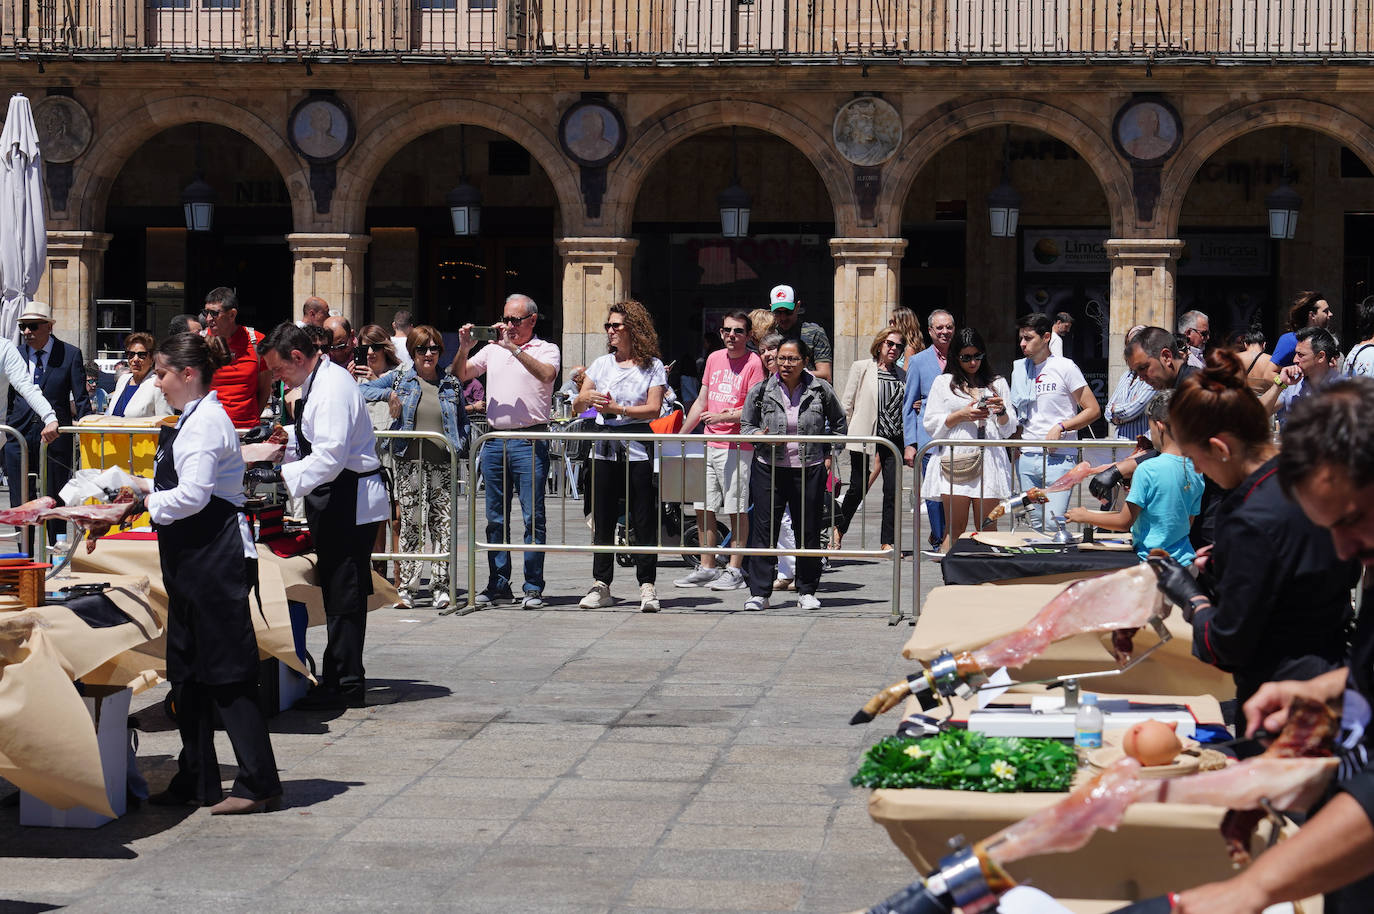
[873,403]
[967,401]
[625,386]
[423,398]
[135,395]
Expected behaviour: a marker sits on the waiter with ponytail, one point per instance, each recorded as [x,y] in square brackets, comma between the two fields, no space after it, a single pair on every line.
[337,472]
[209,564]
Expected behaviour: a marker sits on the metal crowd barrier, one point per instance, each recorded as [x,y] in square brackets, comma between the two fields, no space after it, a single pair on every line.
[451,555]
[656,441]
[1079,445]
[425,504]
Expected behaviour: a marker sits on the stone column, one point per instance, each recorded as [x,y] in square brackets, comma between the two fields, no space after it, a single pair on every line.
[596,275]
[1144,274]
[330,266]
[71,282]
[867,286]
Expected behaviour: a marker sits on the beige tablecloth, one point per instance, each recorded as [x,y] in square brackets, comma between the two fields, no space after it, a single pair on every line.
[963,617]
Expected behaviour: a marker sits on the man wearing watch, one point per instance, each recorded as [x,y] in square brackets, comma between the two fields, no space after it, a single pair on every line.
[727,378]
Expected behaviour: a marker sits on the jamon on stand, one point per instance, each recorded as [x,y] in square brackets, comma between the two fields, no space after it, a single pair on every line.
[268,450]
[1121,602]
[1248,789]
[30,512]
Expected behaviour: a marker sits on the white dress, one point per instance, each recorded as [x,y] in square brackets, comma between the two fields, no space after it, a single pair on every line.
[997,479]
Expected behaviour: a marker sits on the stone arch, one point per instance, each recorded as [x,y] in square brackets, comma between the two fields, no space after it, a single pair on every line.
[942,127]
[1221,129]
[388,133]
[96,176]
[627,173]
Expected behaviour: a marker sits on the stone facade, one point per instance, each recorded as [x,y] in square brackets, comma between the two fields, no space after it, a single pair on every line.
[952,119]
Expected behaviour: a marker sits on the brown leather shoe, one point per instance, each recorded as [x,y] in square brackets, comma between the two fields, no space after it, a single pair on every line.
[242,806]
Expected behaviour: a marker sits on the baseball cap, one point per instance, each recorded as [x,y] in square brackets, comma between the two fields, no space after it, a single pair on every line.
[782,298]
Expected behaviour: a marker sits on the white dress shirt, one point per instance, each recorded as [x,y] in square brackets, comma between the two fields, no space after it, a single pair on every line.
[208,462]
[19,375]
[340,433]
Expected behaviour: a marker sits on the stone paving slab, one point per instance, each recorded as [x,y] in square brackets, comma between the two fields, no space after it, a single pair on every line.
[555,760]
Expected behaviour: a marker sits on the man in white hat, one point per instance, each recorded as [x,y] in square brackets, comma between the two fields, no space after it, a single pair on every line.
[45,377]
[783,302]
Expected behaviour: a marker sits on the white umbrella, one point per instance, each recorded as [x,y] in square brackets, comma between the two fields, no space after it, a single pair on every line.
[23,223]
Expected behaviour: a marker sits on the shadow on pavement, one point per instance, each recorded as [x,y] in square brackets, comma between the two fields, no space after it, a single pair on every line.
[303,792]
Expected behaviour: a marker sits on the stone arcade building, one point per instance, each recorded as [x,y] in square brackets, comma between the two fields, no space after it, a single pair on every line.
[868,133]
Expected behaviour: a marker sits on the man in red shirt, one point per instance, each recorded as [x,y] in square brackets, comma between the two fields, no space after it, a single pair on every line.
[244,385]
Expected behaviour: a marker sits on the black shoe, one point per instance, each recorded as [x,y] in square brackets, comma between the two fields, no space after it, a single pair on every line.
[171,798]
[326,699]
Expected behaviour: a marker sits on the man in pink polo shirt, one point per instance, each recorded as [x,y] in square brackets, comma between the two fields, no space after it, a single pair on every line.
[728,375]
[520,370]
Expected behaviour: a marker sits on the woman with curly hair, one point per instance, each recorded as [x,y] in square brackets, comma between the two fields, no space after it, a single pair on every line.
[626,388]
[1310,309]
[904,321]
[761,324]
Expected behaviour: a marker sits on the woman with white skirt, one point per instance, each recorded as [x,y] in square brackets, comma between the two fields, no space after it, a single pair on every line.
[968,401]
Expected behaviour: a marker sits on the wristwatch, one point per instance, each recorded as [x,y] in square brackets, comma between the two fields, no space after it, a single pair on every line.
[1279,382]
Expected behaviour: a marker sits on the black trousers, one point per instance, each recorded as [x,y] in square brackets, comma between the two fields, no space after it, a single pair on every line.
[773,490]
[346,583]
[859,463]
[632,480]
[197,774]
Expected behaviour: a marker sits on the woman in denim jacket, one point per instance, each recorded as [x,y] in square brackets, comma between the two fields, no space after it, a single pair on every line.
[423,400]
[789,477]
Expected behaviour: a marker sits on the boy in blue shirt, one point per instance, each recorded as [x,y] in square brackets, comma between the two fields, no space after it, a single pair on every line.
[1165,495]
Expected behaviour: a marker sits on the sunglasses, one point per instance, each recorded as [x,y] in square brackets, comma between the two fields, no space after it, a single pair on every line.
[337,346]
[515,320]
[733,331]
[609,326]
[135,353]
[1205,334]
[375,347]
[30,325]
[426,350]
[212,312]
[893,343]
[973,357]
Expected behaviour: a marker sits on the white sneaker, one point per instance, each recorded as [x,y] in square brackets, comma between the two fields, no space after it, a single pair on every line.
[442,600]
[534,599]
[730,579]
[756,604]
[648,598]
[404,600]
[598,597]
[808,601]
[699,578]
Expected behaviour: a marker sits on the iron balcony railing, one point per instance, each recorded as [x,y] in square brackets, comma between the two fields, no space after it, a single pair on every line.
[635,31]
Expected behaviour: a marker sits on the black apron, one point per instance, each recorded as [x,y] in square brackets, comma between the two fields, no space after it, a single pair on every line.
[210,636]
[343,551]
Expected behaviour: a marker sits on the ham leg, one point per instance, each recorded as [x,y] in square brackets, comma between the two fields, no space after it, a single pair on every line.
[1125,599]
[30,512]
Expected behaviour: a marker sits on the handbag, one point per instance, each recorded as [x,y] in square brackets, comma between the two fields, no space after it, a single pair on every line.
[962,467]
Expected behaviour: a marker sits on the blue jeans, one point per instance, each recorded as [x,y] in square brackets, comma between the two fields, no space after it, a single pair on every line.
[512,467]
[935,511]
[1032,472]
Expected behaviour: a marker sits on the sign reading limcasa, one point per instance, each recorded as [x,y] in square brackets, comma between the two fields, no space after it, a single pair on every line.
[1084,251]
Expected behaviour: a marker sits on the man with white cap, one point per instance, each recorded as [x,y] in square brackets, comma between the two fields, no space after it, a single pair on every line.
[46,379]
[783,302]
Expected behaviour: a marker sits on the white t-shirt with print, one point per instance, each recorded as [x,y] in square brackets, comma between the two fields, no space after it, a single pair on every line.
[628,386]
[1056,379]
[1360,362]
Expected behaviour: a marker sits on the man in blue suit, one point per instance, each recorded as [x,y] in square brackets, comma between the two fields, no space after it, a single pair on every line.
[59,371]
[921,371]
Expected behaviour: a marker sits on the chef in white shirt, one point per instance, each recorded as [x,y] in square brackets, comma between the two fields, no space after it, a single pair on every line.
[336,471]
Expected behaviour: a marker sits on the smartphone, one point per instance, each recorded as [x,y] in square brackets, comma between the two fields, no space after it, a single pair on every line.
[485,334]
[360,355]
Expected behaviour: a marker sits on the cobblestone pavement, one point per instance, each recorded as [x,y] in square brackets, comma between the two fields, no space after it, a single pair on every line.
[560,760]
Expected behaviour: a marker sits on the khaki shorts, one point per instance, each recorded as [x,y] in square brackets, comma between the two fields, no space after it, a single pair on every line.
[727,481]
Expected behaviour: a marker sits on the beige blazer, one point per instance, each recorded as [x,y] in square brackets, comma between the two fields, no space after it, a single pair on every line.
[860,400]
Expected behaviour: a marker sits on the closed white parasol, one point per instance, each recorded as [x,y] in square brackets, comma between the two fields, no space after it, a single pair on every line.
[23,222]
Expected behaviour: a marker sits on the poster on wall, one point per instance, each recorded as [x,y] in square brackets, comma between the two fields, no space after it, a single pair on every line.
[1065,251]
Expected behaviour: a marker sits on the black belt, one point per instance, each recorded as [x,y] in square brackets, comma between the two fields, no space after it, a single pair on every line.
[542,427]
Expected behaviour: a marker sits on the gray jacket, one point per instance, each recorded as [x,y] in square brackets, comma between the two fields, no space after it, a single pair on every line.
[819,413]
